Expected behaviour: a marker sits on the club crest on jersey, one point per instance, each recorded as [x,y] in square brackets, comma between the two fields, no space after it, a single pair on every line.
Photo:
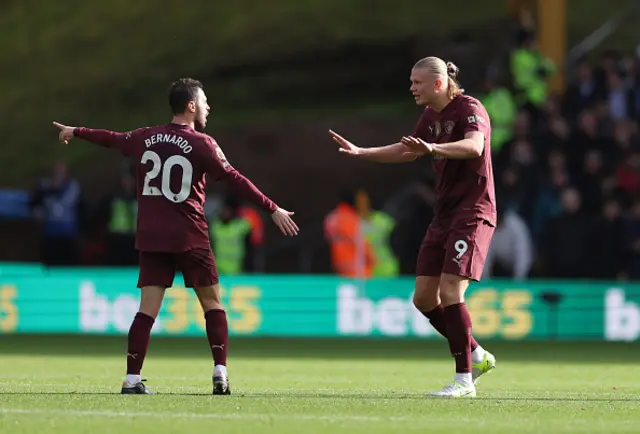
[448,127]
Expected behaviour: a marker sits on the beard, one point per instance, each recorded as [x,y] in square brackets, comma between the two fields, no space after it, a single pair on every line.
[200,122]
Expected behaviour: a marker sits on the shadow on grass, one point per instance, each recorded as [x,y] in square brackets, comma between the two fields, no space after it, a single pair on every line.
[313,348]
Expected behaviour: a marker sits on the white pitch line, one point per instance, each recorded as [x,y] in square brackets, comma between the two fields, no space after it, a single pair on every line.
[233,416]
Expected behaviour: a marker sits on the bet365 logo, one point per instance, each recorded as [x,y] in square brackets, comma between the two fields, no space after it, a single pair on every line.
[622,317]
[389,316]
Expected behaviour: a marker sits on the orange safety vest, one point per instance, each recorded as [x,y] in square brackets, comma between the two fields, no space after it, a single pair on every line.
[351,253]
[255,220]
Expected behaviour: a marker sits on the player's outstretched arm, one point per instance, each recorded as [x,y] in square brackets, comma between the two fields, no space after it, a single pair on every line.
[471,146]
[104,138]
[247,189]
[395,153]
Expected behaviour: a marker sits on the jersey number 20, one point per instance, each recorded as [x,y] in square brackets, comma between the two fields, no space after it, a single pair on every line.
[165,190]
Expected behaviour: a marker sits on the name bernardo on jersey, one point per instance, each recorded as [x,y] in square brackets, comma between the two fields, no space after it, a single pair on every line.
[169,138]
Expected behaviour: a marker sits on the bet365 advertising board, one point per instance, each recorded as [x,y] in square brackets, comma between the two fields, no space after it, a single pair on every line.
[103,301]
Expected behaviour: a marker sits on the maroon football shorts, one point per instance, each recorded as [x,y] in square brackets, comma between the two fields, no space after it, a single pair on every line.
[459,249]
[198,268]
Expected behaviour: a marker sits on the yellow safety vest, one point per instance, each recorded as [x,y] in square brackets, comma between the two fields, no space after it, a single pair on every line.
[378,231]
[123,216]
[229,244]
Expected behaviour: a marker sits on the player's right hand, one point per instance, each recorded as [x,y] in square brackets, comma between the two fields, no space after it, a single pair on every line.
[346,147]
[282,219]
[66,132]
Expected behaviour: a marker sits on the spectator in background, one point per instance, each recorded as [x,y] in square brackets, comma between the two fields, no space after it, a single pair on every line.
[530,70]
[351,254]
[548,204]
[619,98]
[501,109]
[565,243]
[607,241]
[417,213]
[628,174]
[586,137]
[253,216]
[608,65]
[120,213]
[56,205]
[632,247]
[378,227]
[230,236]
[590,181]
[582,93]
[511,250]
[512,191]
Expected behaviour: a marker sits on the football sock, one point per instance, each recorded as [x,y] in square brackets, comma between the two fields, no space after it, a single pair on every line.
[437,319]
[459,335]
[133,379]
[464,379]
[220,370]
[477,355]
[138,342]
[217,334]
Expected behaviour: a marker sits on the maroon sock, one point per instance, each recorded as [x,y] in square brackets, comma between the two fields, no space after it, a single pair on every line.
[437,319]
[218,335]
[138,343]
[459,335]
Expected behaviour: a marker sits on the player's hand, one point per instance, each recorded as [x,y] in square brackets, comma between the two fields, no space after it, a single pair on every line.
[66,132]
[346,147]
[417,146]
[282,219]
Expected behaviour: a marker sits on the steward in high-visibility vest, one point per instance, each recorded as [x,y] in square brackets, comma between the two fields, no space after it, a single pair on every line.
[530,70]
[502,111]
[122,216]
[229,236]
[351,254]
[378,227]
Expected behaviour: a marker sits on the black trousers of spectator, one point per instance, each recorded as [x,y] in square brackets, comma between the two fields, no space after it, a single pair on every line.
[121,249]
[59,250]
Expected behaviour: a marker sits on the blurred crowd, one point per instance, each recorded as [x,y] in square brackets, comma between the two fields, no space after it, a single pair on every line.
[567,172]
[567,169]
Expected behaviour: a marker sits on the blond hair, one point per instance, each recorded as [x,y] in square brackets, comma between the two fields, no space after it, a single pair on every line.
[440,68]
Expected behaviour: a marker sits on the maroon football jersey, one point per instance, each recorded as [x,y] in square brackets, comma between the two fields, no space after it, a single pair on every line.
[465,188]
[172,162]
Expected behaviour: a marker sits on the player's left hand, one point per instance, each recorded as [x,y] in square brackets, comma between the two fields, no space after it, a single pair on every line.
[282,219]
[417,145]
[66,132]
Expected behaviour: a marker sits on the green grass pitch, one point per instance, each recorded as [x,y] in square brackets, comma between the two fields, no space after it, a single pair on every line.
[70,385]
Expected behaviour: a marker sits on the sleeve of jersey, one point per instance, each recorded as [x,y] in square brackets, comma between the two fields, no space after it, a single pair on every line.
[475,118]
[220,169]
[124,142]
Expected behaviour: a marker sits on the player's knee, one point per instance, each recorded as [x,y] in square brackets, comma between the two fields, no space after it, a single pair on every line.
[452,289]
[426,296]
[209,297]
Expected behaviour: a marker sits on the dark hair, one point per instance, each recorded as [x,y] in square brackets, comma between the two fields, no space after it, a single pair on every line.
[181,92]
